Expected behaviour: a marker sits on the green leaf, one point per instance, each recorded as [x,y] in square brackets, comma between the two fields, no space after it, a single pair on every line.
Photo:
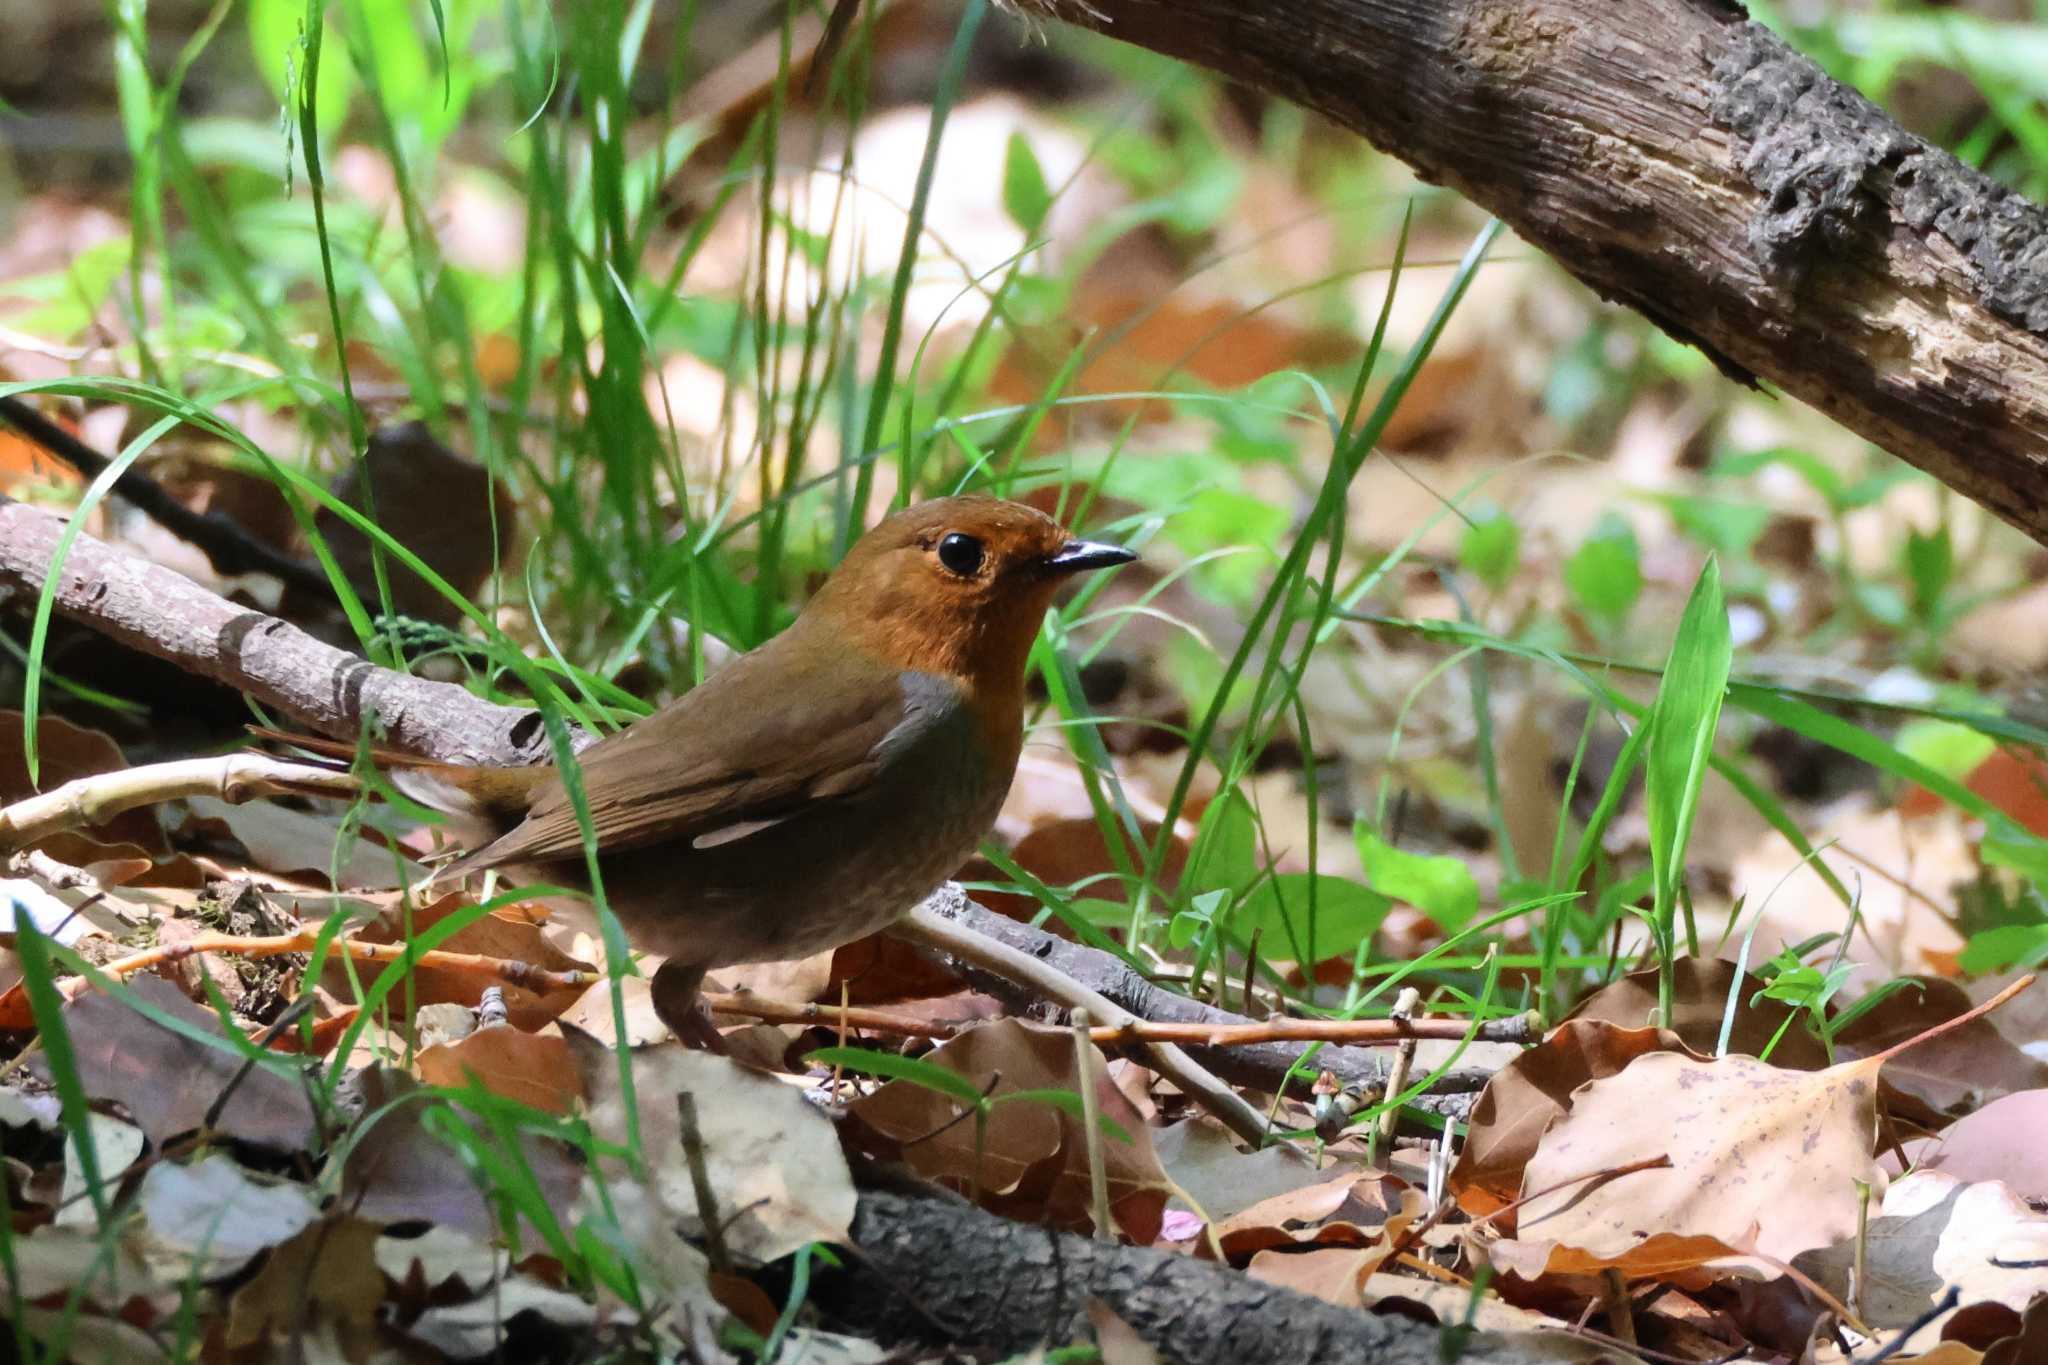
[1930,567]
[1681,741]
[1439,886]
[1491,549]
[1200,916]
[1026,197]
[1346,914]
[1605,575]
[2004,948]
[1950,749]
[1226,852]
[916,1070]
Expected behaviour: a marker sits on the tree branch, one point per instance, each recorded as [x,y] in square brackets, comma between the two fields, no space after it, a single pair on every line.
[1012,1287]
[1685,162]
[163,613]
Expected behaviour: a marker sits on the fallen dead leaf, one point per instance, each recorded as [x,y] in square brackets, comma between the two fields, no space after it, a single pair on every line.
[776,1169]
[1525,1097]
[327,1272]
[1762,1158]
[533,1068]
[169,1081]
[1032,1160]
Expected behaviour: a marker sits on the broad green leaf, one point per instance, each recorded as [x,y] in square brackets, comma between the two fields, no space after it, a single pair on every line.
[1346,914]
[1950,749]
[1439,886]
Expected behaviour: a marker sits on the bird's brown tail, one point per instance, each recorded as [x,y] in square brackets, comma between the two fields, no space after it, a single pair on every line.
[494,798]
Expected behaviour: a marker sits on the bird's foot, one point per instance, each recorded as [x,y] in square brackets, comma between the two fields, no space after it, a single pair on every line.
[677,992]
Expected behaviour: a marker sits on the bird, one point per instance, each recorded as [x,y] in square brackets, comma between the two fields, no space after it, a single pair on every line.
[816,788]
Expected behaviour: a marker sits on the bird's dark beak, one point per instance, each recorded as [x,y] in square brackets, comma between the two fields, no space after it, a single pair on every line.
[1080,556]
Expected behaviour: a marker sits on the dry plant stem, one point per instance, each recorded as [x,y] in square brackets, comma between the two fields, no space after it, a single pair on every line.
[700,1181]
[1621,1318]
[164,614]
[234,778]
[1091,1124]
[1351,1031]
[927,927]
[1405,1006]
[305,940]
[1687,163]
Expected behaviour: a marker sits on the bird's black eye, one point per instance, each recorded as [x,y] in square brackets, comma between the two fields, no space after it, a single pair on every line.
[961,554]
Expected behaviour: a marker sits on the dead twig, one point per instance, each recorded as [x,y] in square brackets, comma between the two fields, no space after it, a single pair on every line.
[234,778]
[927,927]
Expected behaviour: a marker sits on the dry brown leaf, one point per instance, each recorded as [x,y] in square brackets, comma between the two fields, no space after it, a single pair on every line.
[436,503]
[66,752]
[2001,1141]
[1761,1158]
[592,1013]
[328,1272]
[2030,1345]
[534,1068]
[1953,1071]
[1525,1097]
[1219,1180]
[775,1165]
[1032,1161]
[1337,1275]
[1699,996]
[1310,1215]
[168,1081]
[400,1171]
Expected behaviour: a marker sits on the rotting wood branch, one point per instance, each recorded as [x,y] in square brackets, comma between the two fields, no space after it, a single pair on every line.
[1684,161]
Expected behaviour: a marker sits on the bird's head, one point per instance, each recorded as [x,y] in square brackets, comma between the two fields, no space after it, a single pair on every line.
[958,587]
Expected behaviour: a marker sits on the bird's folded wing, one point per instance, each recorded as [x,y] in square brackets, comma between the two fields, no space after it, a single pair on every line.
[719,767]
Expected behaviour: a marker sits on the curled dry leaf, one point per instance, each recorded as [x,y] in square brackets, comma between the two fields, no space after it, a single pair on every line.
[775,1166]
[1761,1159]
[1032,1159]
[1524,1098]
[1337,1275]
[1349,1210]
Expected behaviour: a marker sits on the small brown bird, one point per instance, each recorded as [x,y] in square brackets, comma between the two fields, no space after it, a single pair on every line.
[815,789]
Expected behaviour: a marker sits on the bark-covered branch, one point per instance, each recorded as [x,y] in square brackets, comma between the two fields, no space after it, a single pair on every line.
[1682,160]
[162,613]
[1009,1287]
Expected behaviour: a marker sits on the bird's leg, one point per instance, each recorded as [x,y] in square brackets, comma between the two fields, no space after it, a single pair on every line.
[675,990]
